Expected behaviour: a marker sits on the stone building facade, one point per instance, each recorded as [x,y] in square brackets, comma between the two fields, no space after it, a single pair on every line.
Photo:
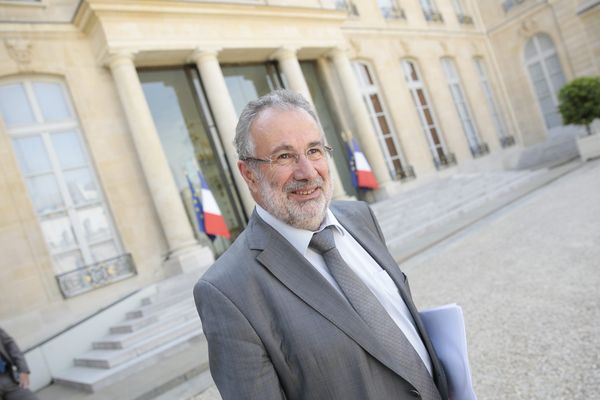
[109,107]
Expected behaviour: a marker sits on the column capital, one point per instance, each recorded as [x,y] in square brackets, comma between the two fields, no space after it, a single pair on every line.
[117,57]
[284,53]
[203,54]
[338,52]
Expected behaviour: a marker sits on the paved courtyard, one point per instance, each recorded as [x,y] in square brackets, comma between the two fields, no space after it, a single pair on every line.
[528,279]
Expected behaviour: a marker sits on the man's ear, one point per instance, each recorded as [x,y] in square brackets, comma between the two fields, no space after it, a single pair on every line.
[249,175]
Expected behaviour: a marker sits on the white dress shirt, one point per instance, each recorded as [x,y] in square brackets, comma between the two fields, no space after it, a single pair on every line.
[363,265]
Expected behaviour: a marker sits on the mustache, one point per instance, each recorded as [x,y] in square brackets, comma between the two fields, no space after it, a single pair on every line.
[298,185]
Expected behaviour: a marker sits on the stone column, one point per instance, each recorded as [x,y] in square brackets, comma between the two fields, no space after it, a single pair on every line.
[185,253]
[290,66]
[224,114]
[364,129]
[288,62]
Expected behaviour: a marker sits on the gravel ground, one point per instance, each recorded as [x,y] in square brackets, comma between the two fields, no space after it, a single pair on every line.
[528,279]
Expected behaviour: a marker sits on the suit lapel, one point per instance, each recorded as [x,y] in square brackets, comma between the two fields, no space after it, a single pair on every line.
[377,249]
[300,277]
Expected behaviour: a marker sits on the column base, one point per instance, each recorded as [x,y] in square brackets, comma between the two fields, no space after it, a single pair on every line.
[196,258]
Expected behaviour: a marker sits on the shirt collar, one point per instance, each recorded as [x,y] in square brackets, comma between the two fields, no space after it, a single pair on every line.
[299,238]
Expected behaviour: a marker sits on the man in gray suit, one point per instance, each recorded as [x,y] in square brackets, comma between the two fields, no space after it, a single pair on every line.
[13,384]
[308,303]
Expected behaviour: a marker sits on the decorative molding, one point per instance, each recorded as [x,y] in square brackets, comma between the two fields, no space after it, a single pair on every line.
[404,46]
[528,28]
[19,50]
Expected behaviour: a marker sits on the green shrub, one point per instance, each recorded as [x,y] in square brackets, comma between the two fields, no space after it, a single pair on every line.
[579,101]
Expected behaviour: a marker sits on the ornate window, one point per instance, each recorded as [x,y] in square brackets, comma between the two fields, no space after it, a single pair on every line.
[499,123]
[430,11]
[420,96]
[546,75]
[380,119]
[390,9]
[61,181]
[463,109]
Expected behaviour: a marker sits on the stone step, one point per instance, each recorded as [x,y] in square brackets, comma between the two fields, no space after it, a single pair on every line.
[124,340]
[151,307]
[137,323]
[112,358]
[163,365]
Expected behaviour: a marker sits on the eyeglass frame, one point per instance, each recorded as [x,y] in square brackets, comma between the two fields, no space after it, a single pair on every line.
[295,155]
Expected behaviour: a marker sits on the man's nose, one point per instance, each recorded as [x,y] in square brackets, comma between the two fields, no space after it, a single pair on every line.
[304,168]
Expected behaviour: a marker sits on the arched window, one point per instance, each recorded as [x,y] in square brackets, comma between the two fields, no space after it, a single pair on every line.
[499,123]
[463,108]
[420,96]
[546,76]
[380,119]
[60,179]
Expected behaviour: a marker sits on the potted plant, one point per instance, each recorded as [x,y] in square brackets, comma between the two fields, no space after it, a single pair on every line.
[579,104]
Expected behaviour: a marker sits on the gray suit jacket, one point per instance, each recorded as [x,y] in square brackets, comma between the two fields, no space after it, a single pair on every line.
[276,329]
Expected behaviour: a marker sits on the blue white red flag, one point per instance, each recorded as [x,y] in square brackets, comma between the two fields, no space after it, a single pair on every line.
[214,223]
[362,175]
[198,212]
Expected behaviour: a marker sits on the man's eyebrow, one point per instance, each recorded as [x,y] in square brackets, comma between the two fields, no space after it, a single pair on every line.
[291,148]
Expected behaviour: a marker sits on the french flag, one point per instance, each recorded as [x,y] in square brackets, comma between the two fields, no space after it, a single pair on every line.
[362,175]
[214,223]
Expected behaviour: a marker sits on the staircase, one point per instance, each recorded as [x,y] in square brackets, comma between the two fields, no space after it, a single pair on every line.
[415,219]
[165,322]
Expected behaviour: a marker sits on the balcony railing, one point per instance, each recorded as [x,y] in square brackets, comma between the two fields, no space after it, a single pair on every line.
[93,276]
[433,16]
[480,150]
[406,172]
[507,141]
[464,19]
[392,12]
[346,5]
[444,160]
[508,4]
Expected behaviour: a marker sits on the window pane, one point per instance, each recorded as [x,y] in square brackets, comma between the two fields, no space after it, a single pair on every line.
[68,262]
[385,129]
[94,223]
[397,165]
[104,251]
[32,155]
[45,194]
[376,103]
[545,42]
[51,100]
[421,95]
[428,116]
[391,146]
[81,186]
[59,234]
[434,136]
[14,105]
[68,149]
[366,74]
[530,51]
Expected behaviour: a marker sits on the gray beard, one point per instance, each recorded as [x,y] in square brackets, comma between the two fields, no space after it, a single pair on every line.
[307,215]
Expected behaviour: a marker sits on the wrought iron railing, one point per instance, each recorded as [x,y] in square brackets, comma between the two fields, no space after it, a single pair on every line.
[96,275]
[434,16]
[406,172]
[346,5]
[444,160]
[464,19]
[508,4]
[507,141]
[392,12]
[480,150]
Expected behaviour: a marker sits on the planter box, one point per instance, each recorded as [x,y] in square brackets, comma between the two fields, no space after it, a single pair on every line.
[589,146]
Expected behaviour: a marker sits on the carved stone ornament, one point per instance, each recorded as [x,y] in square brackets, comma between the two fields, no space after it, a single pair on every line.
[19,50]
[443,47]
[528,27]
[404,47]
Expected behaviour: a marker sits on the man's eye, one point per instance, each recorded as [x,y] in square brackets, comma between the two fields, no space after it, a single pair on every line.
[315,151]
[284,156]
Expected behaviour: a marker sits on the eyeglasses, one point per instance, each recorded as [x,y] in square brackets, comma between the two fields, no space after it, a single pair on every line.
[287,158]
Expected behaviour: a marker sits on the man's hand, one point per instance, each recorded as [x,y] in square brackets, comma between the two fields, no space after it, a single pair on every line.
[24,380]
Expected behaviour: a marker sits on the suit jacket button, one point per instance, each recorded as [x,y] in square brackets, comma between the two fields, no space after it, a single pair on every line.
[416,393]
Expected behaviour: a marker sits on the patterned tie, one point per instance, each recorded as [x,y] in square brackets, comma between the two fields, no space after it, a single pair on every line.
[375,316]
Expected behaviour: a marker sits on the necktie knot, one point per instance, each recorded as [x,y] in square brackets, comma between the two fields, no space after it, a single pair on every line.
[322,241]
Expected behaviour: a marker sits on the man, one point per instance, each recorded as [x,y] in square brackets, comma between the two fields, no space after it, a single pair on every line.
[11,356]
[308,303]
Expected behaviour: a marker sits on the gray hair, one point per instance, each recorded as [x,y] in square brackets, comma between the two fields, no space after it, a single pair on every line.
[282,99]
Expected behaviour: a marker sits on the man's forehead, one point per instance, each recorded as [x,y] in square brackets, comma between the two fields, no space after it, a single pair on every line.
[285,127]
